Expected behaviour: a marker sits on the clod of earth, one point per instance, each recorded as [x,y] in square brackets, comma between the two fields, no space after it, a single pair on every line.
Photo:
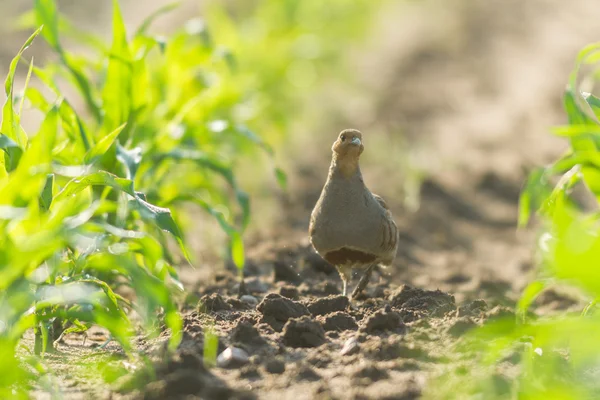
[275,366]
[500,312]
[370,372]
[384,320]
[306,373]
[433,302]
[328,305]
[250,372]
[473,308]
[338,321]
[184,374]
[289,291]
[249,300]
[303,332]
[277,310]
[461,326]
[179,383]
[246,333]
[213,302]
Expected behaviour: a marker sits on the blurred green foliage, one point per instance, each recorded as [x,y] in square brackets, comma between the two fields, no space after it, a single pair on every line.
[90,199]
[552,356]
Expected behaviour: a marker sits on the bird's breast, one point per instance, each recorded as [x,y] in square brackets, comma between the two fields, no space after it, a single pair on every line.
[346,216]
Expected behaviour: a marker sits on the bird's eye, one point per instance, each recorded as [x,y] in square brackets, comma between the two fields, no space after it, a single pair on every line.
[343,137]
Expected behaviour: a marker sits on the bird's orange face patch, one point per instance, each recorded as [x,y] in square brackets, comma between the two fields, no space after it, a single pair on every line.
[349,143]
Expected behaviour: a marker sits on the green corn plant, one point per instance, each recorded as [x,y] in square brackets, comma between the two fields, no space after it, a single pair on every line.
[58,248]
[559,353]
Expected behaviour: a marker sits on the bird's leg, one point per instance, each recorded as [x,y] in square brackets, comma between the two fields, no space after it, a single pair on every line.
[103,345]
[346,275]
[364,281]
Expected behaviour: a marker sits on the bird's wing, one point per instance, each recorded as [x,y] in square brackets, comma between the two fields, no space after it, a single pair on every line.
[380,200]
[388,226]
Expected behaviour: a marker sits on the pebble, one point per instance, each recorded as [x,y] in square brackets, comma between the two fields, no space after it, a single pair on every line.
[232,357]
[350,347]
[249,300]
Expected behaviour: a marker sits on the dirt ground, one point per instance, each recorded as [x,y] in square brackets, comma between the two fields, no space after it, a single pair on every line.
[467,91]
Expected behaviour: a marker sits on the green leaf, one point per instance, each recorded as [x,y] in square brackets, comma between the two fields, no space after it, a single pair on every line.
[47,192]
[25,87]
[218,215]
[535,191]
[131,159]
[13,152]
[100,178]
[46,14]
[163,219]
[281,178]
[594,103]
[244,131]
[213,164]
[237,251]
[211,347]
[103,145]
[10,119]
[577,130]
[73,125]
[531,292]
[118,92]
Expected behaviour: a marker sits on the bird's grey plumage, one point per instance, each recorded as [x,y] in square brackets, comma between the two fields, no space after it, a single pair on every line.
[351,227]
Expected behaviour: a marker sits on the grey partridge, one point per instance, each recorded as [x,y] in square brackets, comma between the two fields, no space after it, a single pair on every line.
[350,227]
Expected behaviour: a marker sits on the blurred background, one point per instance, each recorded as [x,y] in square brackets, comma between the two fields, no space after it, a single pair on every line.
[455,100]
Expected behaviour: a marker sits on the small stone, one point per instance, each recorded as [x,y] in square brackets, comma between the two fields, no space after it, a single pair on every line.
[232,357]
[249,300]
[351,346]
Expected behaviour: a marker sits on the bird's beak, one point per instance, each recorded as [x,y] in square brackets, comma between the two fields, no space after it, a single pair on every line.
[356,141]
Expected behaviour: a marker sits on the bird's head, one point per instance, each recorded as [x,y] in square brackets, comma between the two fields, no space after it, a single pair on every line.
[348,144]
